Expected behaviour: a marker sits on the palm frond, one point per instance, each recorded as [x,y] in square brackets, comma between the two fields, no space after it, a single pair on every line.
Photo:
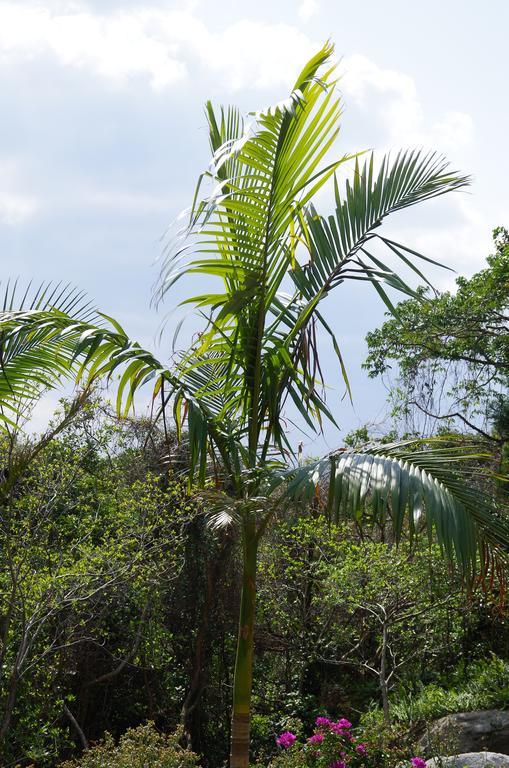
[340,245]
[43,348]
[244,233]
[406,484]
[33,362]
[340,248]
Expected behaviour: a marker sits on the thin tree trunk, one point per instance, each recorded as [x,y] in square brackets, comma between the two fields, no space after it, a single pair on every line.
[12,690]
[383,675]
[243,681]
[77,727]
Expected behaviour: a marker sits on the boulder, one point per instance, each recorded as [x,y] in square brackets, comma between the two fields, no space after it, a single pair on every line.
[468,732]
[471,760]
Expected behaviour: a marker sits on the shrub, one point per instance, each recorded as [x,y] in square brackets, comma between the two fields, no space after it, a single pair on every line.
[333,745]
[142,747]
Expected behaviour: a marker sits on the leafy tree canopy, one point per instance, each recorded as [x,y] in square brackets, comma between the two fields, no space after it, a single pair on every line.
[451,349]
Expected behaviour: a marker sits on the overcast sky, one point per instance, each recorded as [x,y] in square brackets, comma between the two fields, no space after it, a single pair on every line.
[102,133]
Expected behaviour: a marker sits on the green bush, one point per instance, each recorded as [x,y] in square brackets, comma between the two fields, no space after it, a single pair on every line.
[141,747]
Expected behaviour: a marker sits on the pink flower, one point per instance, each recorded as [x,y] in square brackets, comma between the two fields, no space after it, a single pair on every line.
[418,762]
[337,764]
[323,722]
[316,738]
[286,739]
[340,727]
[361,749]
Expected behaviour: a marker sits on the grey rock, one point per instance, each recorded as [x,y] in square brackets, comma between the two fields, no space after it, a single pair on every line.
[468,732]
[471,760]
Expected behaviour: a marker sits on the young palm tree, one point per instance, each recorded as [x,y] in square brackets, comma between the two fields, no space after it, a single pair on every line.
[274,259]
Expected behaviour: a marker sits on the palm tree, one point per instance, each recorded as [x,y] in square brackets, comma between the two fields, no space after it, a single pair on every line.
[254,231]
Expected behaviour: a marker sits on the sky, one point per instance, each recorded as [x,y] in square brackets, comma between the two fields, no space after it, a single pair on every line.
[102,138]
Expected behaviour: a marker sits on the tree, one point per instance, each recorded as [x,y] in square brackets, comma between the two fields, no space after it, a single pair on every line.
[87,552]
[257,232]
[393,612]
[355,619]
[451,349]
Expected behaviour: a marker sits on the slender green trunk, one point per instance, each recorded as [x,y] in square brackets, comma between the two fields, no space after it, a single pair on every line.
[243,681]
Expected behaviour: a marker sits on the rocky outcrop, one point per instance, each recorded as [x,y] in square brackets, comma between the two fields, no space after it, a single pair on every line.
[468,732]
[471,760]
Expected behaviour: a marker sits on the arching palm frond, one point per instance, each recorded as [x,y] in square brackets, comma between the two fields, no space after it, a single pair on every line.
[247,232]
[341,248]
[409,484]
[240,229]
[33,362]
[44,347]
[224,130]
[341,245]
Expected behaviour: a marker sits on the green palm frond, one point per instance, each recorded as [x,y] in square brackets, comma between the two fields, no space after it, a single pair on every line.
[224,129]
[340,248]
[44,347]
[340,245]
[239,232]
[247,231]
[37,361]
[408,484]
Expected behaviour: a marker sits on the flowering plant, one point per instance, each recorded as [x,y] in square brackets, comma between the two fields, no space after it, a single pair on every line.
[331,745]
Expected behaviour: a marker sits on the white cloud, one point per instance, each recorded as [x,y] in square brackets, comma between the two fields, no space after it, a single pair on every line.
[14,209]
[260,55]
[456,129]
[307,9]
[15,205]
[170,46]
[116,45]
[163,45]
[399,111]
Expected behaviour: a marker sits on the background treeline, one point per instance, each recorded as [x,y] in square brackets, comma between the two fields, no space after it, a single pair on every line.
[119,606]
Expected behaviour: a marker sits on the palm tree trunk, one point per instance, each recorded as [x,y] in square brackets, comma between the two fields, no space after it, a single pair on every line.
[243,681]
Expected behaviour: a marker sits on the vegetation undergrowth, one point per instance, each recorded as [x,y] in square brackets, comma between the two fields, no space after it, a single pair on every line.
[484,684]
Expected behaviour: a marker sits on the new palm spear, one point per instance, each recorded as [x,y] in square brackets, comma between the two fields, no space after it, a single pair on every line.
[256,234]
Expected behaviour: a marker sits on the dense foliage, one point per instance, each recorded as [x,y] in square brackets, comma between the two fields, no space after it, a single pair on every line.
[137,748]
[120,606]
[450,351]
